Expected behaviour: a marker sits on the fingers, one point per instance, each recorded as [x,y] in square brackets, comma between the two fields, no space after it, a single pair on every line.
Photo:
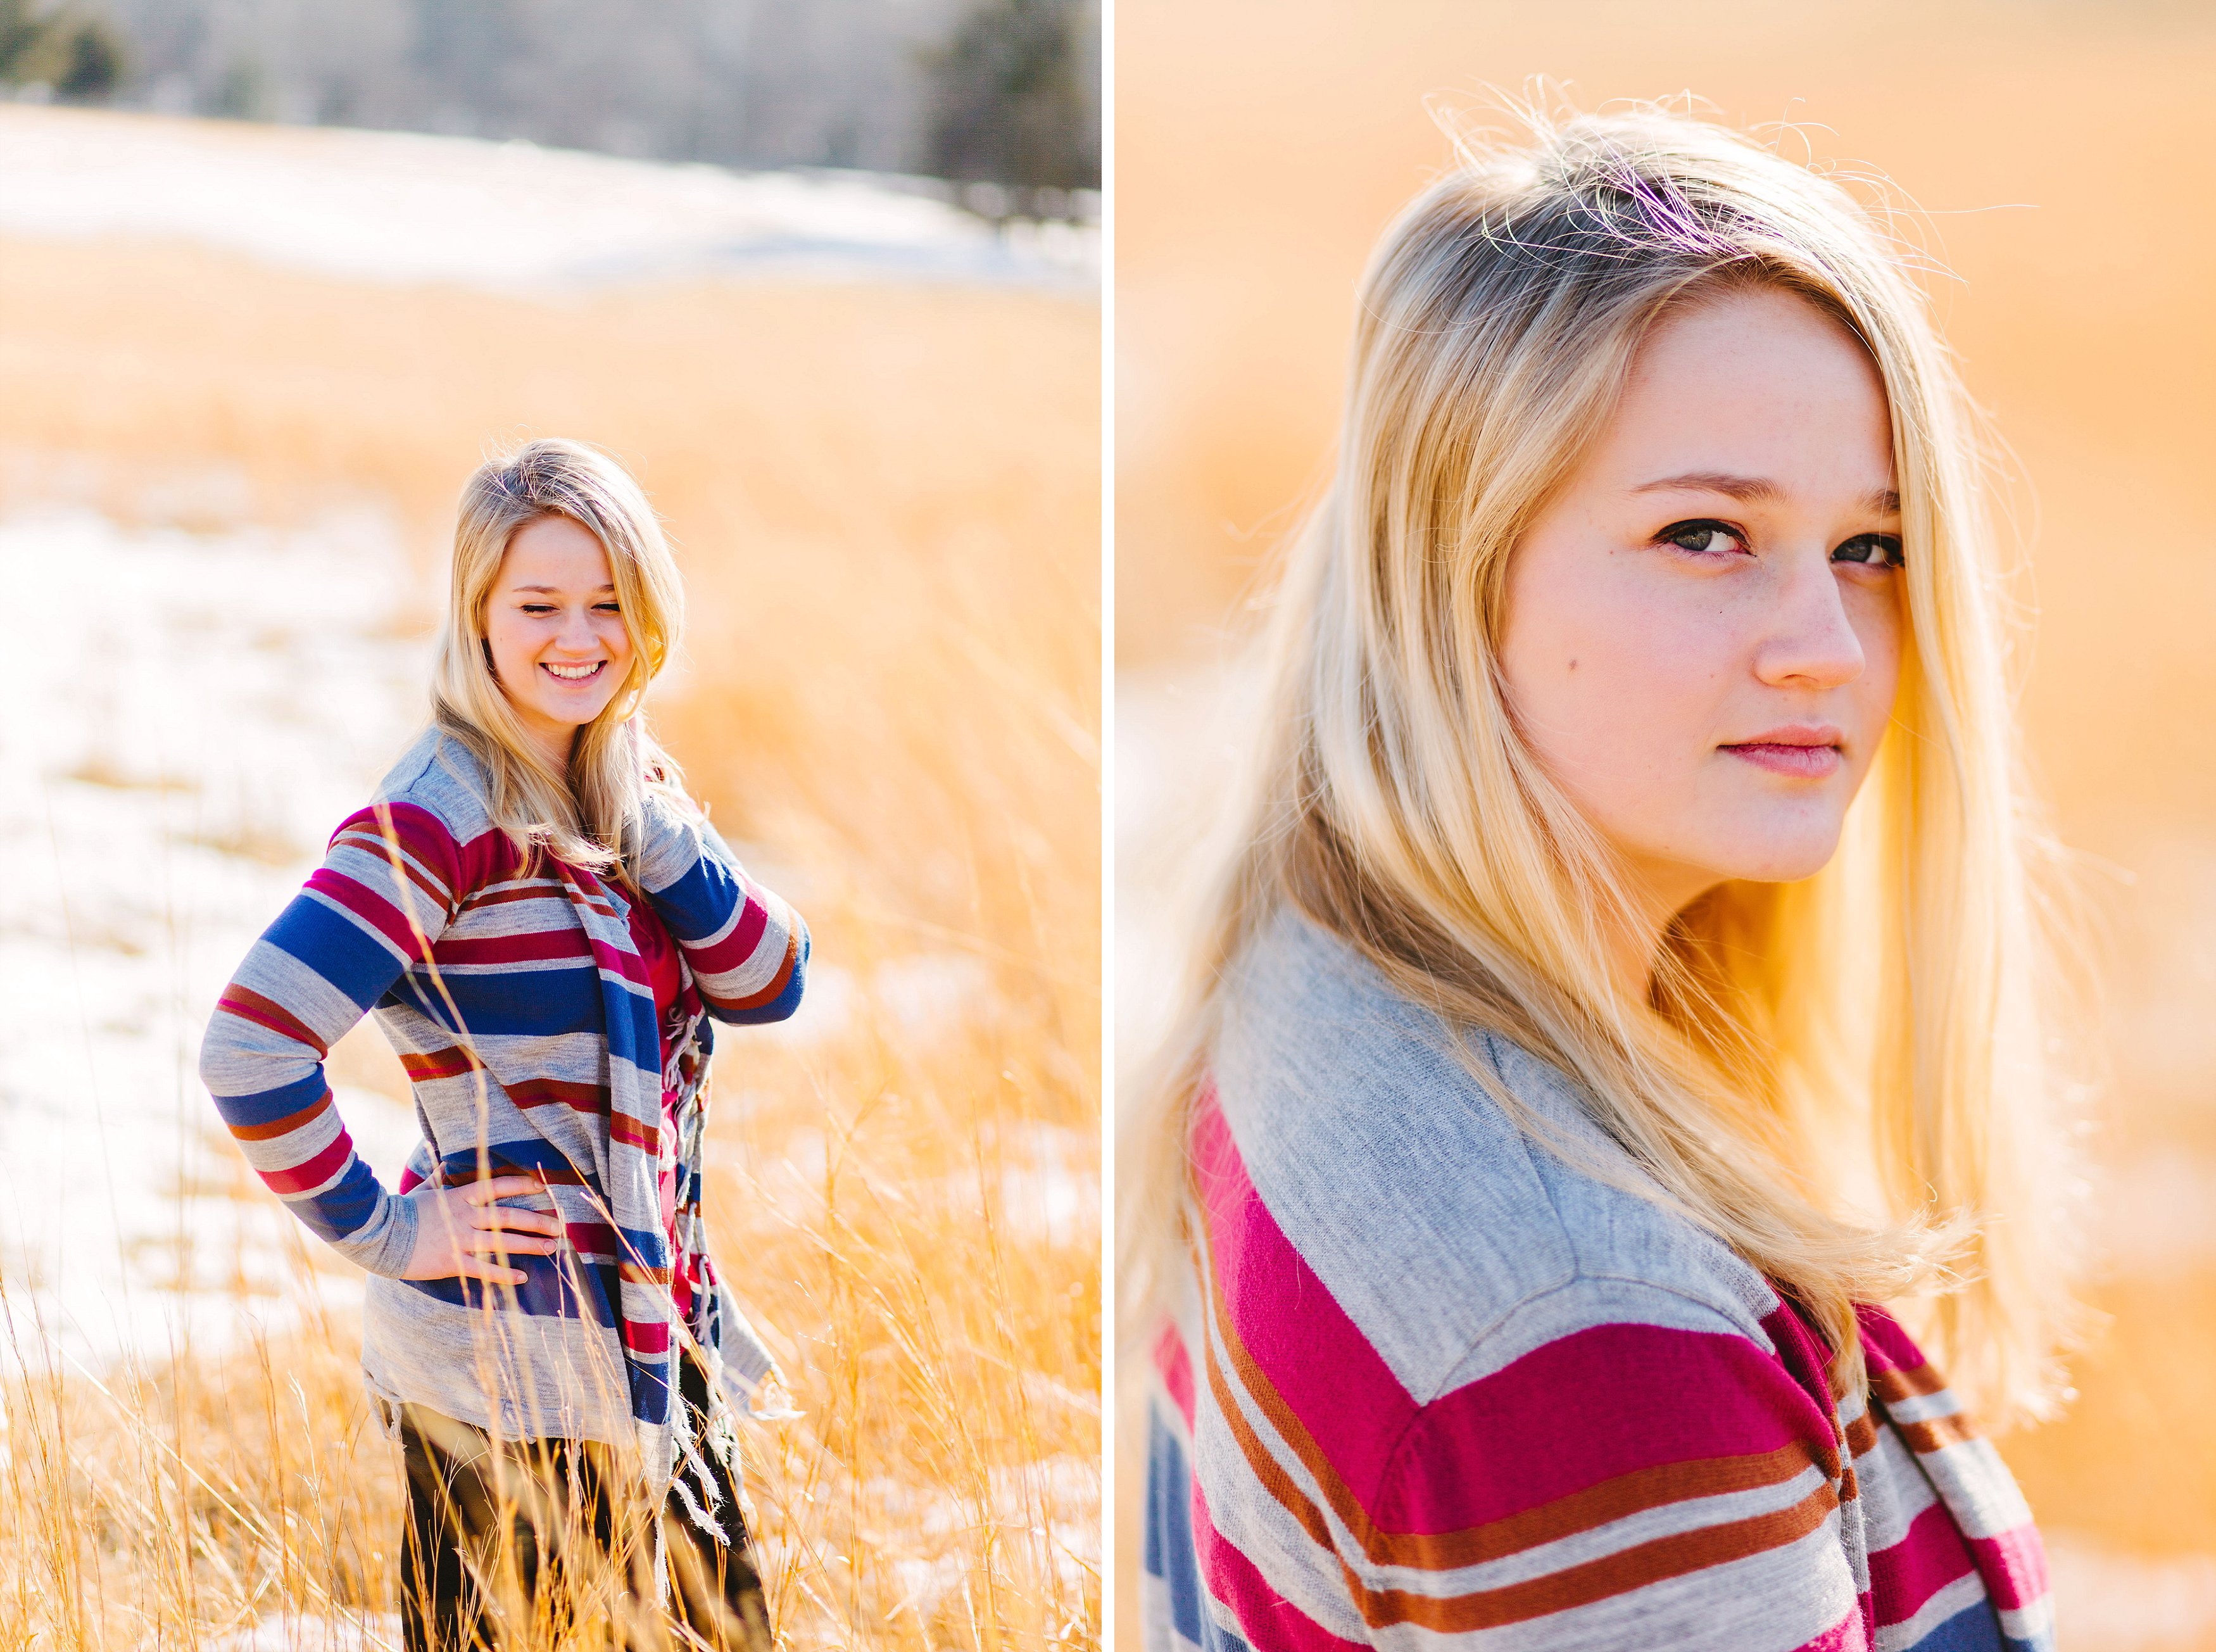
[469,1267]
[479,1197]
[493,1188]
[507,1219]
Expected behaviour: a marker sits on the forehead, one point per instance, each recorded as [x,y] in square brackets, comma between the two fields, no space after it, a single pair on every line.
[1754,382]
[555,552]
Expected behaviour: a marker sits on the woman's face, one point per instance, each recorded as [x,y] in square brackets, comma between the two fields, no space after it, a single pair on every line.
[1703,627]
[556,635]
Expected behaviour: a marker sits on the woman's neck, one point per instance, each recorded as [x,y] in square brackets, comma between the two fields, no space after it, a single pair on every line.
[556,745]
[1635,943]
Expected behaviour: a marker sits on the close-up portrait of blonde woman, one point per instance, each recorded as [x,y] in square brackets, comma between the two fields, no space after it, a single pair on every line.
[546,930]
[1603,1159]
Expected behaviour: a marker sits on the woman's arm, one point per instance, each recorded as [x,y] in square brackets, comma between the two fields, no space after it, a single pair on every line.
[747,950]
[385,892]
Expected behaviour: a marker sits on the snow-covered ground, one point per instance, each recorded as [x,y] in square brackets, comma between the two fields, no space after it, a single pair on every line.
[507,217]
[156,810]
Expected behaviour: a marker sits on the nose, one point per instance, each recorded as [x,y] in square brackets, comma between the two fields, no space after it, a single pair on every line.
[576,634]
[1812,642]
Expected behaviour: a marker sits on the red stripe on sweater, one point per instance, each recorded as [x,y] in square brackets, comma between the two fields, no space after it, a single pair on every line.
[2014,1567]
[767,994]
[313,1173]
[250,1006]
[285,1126]
[558,1092]
[420,836]
[1266,1618]
[595,1241]
[1596,1416]
[535,945]
[489,858]
[1176,1368]
[452,1061]
[372,909]
[1930,1556]
[732,951]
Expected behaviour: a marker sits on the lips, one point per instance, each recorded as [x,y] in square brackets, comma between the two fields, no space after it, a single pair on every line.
[1798,751]
[583,671]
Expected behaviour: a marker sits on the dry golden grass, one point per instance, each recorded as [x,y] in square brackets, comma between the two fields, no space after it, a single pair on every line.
[2053,147]
[886,500]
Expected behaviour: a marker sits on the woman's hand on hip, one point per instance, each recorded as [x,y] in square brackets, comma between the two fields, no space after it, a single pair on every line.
[460,1231]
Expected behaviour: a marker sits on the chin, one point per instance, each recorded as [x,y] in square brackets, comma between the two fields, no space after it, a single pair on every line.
[569,714]
[1784,859]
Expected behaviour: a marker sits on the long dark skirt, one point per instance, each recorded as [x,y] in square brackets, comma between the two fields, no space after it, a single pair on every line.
[498,1545]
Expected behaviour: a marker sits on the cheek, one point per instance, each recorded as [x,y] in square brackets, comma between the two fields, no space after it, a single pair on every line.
[1609,679]
[510,650]
[1881,627]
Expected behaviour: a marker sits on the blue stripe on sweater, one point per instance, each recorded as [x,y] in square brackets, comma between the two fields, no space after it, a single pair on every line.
[268,1106]
[519,1003]
[321,939]
[649,1388]
[1169,1551]
[507,1158]
[649,1249]
[634,1035]
[342,1209]
[781,1007]
[1974,1629]
[554,1287]
[701,902]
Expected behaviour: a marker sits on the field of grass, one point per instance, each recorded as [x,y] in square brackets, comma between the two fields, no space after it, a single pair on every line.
[885,499]
[2048,148]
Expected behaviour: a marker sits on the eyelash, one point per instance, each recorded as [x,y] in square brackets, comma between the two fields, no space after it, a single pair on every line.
[1887,545]
[537,608]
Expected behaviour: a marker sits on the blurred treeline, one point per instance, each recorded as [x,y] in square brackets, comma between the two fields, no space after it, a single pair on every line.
[1000,95]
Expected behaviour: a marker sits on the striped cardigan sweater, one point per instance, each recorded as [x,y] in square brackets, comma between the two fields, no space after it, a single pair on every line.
[521,1011]
[1433,1388]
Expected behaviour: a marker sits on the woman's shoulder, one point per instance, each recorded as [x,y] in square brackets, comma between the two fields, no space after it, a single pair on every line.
[1387,1175]
[441,776]
[431,805]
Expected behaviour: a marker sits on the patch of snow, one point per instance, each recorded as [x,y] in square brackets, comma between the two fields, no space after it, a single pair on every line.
[376,1631]
[202,710]
[405,207]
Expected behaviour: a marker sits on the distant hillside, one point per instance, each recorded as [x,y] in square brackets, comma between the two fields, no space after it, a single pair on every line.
[1002,92]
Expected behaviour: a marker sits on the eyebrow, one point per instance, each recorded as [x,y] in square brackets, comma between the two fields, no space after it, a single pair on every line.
[556,590]
[1752,490]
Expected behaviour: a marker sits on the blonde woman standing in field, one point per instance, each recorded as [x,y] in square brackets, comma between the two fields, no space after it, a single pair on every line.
[1621,985]
[545,925]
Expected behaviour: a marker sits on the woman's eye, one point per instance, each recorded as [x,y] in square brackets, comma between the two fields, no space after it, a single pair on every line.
[1871,549]
[608,607]
[1703,536]
[535,609]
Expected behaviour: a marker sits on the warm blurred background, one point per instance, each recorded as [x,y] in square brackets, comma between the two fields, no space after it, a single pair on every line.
[2059,153]
[245,368]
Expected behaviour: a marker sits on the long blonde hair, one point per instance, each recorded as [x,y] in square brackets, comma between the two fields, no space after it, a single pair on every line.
[589,817]
[1892,999]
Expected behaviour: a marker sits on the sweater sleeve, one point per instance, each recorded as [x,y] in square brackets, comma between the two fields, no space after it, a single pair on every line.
[1637,1478]
[747,950]
[384,893]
